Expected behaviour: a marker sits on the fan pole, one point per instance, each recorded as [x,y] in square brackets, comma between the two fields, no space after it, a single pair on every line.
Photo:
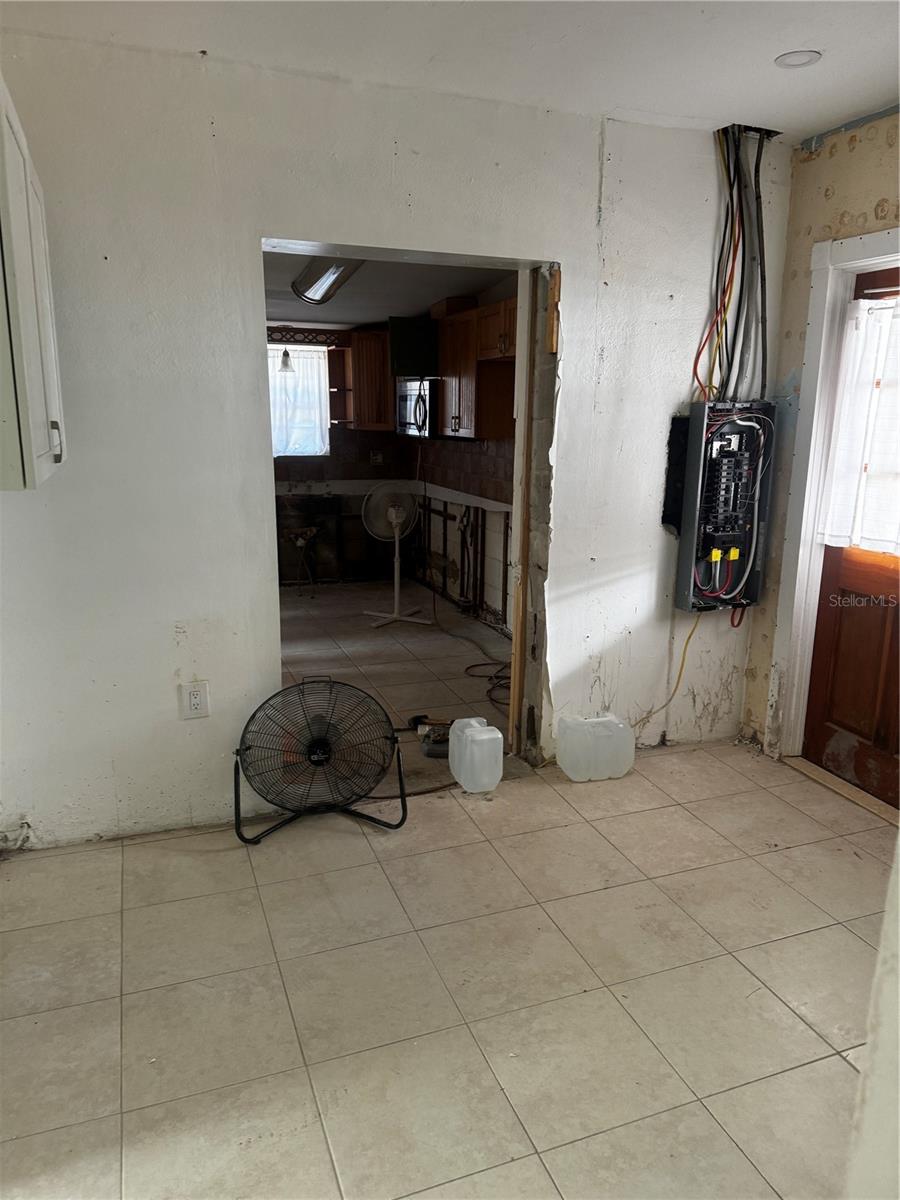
[396,615]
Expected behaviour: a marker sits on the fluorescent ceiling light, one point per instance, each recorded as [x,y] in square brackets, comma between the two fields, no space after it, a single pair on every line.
[321,277]
[797,58]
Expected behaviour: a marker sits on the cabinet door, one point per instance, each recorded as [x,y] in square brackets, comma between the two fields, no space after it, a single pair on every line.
[449,378]
[490,321]
[467,365]
[372,399]
[29,305]
[510,312]
[48,438]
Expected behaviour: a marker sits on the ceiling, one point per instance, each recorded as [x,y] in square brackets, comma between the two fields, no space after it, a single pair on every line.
[695,65]
[377,291]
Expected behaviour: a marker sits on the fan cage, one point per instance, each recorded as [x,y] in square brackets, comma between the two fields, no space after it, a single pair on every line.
[319,745]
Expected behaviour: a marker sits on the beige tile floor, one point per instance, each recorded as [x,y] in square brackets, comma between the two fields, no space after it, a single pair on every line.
[647,987]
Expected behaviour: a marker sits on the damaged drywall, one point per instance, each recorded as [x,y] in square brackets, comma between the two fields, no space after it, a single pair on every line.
[614,639]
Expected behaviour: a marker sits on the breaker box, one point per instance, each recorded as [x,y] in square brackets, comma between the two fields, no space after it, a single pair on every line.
[720,461]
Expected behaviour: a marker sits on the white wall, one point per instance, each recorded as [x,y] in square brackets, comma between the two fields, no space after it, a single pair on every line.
[615,640]
[150,558]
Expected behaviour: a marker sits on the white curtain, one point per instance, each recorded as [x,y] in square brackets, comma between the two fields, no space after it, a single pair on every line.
[861,500]
[299,400]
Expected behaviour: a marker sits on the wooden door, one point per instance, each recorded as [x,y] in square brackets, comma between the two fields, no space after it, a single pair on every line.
[372,398]
[851,720]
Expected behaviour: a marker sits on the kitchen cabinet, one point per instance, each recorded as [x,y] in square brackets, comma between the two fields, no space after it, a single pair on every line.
[459,361]
[476,394]
[372,404]
[32,434]
[497,329]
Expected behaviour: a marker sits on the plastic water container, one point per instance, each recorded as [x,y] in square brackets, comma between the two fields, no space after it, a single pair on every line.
[594,747]
[476,754]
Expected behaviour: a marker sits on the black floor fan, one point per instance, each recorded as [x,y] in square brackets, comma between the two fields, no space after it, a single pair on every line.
[319,746]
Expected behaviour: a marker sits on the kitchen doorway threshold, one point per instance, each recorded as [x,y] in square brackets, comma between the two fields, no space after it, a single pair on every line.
[847,790]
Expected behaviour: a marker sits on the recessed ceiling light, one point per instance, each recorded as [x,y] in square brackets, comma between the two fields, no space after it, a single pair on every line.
[798,58]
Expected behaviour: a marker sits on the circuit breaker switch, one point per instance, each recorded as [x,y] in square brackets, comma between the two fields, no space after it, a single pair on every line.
[715,555]
[733,554]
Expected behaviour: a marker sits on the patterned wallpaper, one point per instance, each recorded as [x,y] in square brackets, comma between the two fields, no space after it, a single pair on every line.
[842,184]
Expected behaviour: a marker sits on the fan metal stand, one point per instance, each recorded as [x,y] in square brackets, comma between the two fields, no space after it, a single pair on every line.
[348,811]
[386,618]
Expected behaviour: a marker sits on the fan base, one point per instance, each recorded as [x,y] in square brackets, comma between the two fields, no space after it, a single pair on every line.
[348,811]
[387,618]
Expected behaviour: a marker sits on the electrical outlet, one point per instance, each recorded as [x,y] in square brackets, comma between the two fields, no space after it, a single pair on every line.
[194,699]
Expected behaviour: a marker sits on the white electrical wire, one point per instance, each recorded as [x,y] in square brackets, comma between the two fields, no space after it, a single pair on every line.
[751,557]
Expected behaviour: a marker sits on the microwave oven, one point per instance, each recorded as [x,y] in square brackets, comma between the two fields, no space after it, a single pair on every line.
[417,407]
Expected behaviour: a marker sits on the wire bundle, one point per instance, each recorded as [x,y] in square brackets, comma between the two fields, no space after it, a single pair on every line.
[727,340]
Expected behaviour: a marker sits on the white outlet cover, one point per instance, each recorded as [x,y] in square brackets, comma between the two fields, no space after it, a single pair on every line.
[194,699]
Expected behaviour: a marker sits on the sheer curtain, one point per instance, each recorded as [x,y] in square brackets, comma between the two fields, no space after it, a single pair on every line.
[299,400]
[861,500]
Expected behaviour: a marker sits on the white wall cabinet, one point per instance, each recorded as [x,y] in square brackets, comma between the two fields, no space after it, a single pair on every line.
[32,434]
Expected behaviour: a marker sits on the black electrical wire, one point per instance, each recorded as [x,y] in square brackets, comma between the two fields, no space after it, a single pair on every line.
[725,244]
[742,216]
[735,136]
[761,259]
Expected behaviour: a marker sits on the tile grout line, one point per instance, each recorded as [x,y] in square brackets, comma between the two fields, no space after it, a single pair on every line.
[731,955]
[465,1024]
[309,1079]
[774,874]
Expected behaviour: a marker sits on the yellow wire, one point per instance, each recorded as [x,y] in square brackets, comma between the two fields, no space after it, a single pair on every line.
[684,650]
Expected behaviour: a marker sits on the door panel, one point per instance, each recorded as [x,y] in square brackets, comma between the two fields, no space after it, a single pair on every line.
[467,363]
[47,428]
[852,722]
[372,398]
[23,305]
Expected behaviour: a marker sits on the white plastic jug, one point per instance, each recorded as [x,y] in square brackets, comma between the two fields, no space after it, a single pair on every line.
[594,747]
[476,754]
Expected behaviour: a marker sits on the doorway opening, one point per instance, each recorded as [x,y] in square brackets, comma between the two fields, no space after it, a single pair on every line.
[401,393]
[840,608]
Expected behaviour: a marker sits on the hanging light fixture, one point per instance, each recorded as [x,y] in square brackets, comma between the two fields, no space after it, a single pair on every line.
[286,364]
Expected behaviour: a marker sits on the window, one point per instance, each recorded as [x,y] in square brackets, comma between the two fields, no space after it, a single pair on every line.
[298,397]
[861,505]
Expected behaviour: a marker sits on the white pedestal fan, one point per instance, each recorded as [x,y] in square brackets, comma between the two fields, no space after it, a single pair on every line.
[389,515]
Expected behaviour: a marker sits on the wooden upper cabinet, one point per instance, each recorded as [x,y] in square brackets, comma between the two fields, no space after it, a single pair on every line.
[459,362]
[497,329]
[510,313]
[372,402]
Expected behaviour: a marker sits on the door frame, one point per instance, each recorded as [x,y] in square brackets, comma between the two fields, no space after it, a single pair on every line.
[835,265]
[529,333]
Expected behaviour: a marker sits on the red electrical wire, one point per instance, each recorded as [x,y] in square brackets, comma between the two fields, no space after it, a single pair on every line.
[719,310]
[739,614]
[724,588]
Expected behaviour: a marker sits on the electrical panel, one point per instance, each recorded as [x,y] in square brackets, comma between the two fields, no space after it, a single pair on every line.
[724,479]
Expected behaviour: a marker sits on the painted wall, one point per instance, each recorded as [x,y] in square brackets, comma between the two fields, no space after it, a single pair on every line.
[847,184]
[873,1169]
[615,640]
[149,558]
